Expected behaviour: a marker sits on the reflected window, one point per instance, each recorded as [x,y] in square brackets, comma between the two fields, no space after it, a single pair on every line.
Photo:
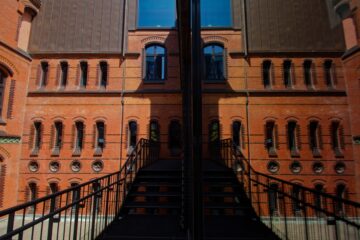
[2,88]
[215,60]
[308,73]
[287,68]
[266,69]
[64,66]
[132,134]
[155,63]
[236,133]
[154,131]
[156,13]
[215,13]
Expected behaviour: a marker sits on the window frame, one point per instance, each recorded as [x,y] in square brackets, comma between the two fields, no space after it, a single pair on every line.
[164,61]
[3,79]
[308,64]
[132,138]
[155,131]
[269,73]
[232,23]
[64,68]
[288,70]
[84,74]
[138,27]
[224,62]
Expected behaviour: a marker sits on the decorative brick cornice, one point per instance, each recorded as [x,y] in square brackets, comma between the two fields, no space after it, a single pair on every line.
[10,140]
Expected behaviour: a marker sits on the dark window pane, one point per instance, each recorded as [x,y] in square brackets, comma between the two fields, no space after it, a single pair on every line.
[37,134]
[154,131]
[155,63]
[314,135]
[79,135]
[269,135]
[292,136]
[308,72]
[328,65]
[64,74]
[132,133]
[267,73]
[236,133]
[175,135]
[157,13]
[104,74]
[58,129]
[215,13]
[84,74]
[214,62]
[287,74]
[100,134]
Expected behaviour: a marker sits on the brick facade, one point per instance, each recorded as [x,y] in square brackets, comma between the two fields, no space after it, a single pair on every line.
[127,97]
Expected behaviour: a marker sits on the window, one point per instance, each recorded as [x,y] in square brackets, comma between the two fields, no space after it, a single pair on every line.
[58,134]
[2,89]
[155,63]
[44,74]
[154,131]
[314,135]
[293,135]
[32,195]
[270,141]
[236,134]
[215,63]
[273,198]
[132,135]
[215,13]
[75,194]
[103,74]
[175,143]
[100,133]
[336,138]
[267,73]
[64,74]
[37,136]
[54,188]
[157,14]
[79,138]
[340,193]
[84,74]
[319,188]
[308,73]
[296,199]
[287,67]
[329,73]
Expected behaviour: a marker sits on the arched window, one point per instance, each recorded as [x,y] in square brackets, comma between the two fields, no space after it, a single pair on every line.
[79,137]
[319,188]
[236,134]
[155,63]
[341,193]
[100,136]
[132,133]
[267,73]
[337,138]
[32,195]
[273,199]
[271,137]
[293,134]
[215,62]
[2,89]
[75,194]
[64,67]
[175,143]
[296,199]
[154,131]
[308,73]
[315,137]
[288,73]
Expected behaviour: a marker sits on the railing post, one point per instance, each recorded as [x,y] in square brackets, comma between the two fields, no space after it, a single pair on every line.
[51,219]
[305,213]
[95,203]
[77,206]
[284,209]
[107,200]
[11,221]
[117,193]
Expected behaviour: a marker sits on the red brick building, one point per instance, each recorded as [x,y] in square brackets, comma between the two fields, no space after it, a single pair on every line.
[84,81]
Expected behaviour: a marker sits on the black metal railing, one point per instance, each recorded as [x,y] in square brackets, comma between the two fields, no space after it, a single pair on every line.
[290,210]
[80,212]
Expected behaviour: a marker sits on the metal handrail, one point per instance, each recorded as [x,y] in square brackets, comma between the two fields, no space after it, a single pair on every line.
[280,206]
[83,210]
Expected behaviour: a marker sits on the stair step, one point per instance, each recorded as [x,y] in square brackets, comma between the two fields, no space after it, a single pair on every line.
[156,184]
[151,205]
[224,206]
[155,194]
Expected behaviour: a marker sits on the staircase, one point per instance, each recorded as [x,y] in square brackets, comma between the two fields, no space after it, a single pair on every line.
[152,208]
